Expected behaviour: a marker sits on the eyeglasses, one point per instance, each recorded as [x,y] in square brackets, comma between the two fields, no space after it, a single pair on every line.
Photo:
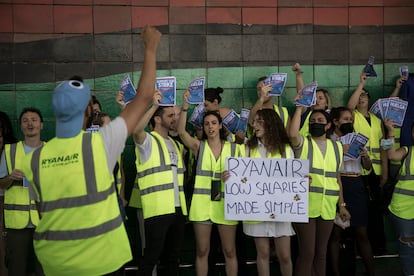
[258,122]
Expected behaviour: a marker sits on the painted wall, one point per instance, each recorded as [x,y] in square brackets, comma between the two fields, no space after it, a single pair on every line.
[231,42]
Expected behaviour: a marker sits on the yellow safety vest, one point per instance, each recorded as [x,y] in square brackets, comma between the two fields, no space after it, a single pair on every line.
[283,114]
[209,169]
[324,188]
[397,136]
[81,230]
[156,180]
[403,197]
[19,210]
[374,133]
[135,199]
[304,130]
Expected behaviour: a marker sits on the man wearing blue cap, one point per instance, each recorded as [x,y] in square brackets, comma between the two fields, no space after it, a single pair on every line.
[81,230]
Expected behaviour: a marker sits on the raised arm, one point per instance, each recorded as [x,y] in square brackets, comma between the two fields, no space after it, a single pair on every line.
[120,99]
[299,78]
[294,127]
[189,141]
[134,111]
[397,88]
[394,154]
[262,97]
[354,99]
[139,132]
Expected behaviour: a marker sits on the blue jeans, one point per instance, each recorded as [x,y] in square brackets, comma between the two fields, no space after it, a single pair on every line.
[405,229]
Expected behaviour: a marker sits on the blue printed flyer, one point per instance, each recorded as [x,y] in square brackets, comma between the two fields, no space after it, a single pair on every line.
[356,145]
[196,89]
[128,88]
[396,111]
[196,118]
[231,121]
[167,87]
[404,71]
[278,81]
[308,95]
[390,108]
[369,68]
[244,115]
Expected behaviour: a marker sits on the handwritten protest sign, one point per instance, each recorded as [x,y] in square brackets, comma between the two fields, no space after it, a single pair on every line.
[267,189]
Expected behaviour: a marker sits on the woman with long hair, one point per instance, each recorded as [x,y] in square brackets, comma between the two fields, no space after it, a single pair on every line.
[270,140]
[207,204]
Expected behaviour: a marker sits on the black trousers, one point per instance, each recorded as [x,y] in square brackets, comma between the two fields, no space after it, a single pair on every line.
[20,255]
[163,239]
[376,231]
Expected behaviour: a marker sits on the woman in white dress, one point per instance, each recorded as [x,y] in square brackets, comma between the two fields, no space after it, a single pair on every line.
[270,140]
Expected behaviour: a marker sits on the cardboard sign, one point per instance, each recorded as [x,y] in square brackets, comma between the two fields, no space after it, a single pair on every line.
[266,189]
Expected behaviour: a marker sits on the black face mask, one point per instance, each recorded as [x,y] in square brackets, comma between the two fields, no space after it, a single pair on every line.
[317,130]
[346,128]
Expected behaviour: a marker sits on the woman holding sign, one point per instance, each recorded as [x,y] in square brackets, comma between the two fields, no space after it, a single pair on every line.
[355,195]
[207,204]
[325,190]
[270,140]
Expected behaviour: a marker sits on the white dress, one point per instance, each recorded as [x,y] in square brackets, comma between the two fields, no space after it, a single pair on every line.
[268,228]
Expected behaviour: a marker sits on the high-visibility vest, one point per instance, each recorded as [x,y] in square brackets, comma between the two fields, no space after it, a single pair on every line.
[397,135]
[135,199]
[374,133]
[403,197]
[81,230]
[209,169]
[324,188]
[304,130]
[156,179]
[283,113]
[19,210]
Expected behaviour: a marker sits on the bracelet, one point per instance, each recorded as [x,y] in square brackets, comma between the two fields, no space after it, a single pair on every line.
[184,109]
[343,204]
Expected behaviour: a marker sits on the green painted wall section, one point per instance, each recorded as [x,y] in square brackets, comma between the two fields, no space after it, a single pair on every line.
[239,85]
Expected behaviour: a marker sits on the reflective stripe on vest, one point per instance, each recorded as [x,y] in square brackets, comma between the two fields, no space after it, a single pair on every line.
[320,171]
[281,113]
[13,149]
[155,180]
[162,168]
[208,169]
[19,210]
[201,191]
[401,202]
[407,165]
[374,132]
[200,171]
[324,189]
[92,196]
[404,192]
[320,190]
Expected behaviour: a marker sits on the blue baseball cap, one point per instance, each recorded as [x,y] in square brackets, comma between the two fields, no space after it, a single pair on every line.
[70,99]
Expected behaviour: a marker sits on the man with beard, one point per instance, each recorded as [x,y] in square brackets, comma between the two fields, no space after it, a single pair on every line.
[160,171]
[20,213]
